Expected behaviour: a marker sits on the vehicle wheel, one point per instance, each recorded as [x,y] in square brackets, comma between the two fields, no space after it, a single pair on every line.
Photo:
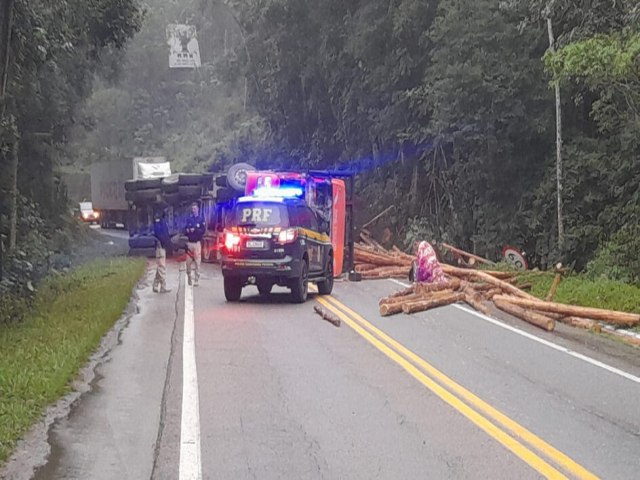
[232,289]
[237,176]
[301,285]
[326,286]
[264,287]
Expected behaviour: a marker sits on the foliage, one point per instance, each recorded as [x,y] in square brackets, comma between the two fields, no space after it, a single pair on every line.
[195,118]
[39,357]
[600,60]
[619,258]
[56,47]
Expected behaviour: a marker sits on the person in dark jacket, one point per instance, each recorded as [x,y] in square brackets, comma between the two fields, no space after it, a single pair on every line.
[194,230]
[163,246]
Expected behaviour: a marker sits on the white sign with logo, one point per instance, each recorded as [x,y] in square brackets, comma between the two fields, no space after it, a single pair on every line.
[183,46]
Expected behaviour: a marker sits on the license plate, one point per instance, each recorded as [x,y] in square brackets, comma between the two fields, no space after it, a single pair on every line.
[255,243]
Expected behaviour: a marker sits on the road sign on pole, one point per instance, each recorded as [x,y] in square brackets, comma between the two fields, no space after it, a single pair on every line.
[183,46]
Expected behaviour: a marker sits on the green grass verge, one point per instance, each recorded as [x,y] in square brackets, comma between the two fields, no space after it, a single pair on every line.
[41,356]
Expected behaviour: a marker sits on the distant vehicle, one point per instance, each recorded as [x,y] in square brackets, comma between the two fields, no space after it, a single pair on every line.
[108,185]
[87,213]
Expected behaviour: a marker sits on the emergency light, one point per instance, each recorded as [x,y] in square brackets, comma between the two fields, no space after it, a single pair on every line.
[283,192]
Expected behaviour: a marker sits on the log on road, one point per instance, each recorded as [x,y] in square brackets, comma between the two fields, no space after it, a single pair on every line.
[400,293]
[436,301]
[609,316]
[533,318]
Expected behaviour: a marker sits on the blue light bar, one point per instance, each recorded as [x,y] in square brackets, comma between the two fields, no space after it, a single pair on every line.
[286,192]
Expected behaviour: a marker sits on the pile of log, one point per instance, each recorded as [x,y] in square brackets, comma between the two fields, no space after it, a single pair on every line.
[484,290]
[373,261]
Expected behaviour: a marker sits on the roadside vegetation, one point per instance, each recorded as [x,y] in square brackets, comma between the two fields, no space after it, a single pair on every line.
[40,356]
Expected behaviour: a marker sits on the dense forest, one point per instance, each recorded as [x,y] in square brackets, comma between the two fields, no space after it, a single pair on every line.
[446,109]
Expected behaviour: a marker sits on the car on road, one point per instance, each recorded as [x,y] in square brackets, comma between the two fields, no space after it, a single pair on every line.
[87,213]
[276,241]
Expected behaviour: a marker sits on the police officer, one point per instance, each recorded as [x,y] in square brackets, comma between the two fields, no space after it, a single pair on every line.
[163,246]
[194,230]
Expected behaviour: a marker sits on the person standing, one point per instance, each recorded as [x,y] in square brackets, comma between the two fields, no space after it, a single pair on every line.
[194,230]
[163,246]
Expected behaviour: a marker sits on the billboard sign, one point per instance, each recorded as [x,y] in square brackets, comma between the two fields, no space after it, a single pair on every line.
[183,46]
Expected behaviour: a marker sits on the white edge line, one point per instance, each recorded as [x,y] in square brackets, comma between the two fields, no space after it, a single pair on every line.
[549,344]
[190,462]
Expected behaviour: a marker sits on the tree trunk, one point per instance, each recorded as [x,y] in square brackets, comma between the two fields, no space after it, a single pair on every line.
[6,24]
[13,195]
[552,48]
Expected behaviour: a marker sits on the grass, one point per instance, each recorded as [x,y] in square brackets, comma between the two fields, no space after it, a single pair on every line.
[582,291]
[40,356]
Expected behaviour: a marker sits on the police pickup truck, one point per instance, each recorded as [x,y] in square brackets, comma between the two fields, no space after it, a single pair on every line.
[276,241]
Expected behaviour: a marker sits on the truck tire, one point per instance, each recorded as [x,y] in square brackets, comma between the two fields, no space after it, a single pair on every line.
[237,176]
[325,287]
[301,285]
[232,289]
[190,191]
[190,179]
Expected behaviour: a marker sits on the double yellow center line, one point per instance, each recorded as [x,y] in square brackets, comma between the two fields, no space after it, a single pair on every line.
[510,434]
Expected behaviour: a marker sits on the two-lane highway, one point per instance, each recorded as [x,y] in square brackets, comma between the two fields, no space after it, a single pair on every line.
[267,389]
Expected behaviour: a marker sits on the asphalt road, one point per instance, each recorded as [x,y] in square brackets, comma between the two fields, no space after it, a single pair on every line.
[277,392]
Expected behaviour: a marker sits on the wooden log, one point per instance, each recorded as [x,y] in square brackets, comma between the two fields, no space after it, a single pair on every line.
[438,301]
[363,267]
[623,337]
[493,292]
[524,286]
[380,215]
[453,284]
[533,318]
[585,323]
[405,299]
[394,272]
[397,252]
[485,277]
[475,300]
[329,317]
[399,293]
[374,258]
[467,254]
[388,309]
[554,287]
[609,316]
[468,272]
